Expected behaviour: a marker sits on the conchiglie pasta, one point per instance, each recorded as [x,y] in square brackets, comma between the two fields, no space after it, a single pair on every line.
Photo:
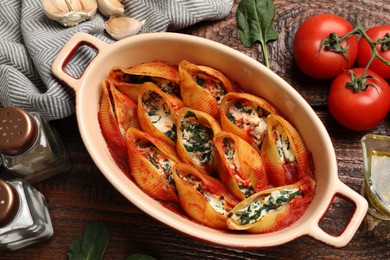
[116,114]
[130,80]
[284,154]
[245,115]
[273,209]
[151,161]
[202,197]
[195,132]
[240,166]
[157,112]
[202,88]
[191,139]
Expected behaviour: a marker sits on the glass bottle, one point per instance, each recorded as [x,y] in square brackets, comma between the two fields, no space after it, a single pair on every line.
[24,216]
[376,185]
[29,147]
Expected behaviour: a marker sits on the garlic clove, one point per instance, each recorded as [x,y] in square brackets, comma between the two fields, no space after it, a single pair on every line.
[69,12]
[110,7]
[122,27]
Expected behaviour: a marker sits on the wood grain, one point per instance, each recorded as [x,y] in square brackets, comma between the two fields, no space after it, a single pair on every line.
[84,196]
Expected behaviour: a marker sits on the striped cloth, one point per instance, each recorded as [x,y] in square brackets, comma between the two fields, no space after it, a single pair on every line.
[29,43]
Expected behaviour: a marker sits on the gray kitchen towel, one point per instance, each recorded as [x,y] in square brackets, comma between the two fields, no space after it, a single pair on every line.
[29,43]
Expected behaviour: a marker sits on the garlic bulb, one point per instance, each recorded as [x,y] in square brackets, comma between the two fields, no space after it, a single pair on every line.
[110,7]
[122,27]
[69,12]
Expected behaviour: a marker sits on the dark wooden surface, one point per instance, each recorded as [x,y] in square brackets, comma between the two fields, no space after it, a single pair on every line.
[84,196]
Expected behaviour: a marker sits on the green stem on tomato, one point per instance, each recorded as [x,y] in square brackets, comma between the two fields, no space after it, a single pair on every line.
[372,44]
[329,45]
[357,29]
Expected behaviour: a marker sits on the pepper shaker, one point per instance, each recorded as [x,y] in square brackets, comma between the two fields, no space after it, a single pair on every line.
[29,147]
[24,216]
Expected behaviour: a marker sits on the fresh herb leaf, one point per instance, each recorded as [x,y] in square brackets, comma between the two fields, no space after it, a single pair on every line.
[140,257]
[92,243]
[254,21]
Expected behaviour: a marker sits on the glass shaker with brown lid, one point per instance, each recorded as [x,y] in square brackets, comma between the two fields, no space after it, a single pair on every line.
[29,147]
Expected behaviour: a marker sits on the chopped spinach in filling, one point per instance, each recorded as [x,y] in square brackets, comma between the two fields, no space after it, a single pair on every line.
[229,149]
[212,85]
[162,163]
[247,190]
[197,140]
[165,85]
[259,208]
[283,146]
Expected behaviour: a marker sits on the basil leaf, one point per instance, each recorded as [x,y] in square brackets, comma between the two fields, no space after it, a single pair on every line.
[138,256]
[92,243]
[254,22]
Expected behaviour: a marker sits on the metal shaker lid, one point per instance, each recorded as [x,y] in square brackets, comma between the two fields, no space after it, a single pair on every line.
[9,203]
[18,130]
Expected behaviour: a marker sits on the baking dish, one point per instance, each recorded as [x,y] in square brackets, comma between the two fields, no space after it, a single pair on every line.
[254,78]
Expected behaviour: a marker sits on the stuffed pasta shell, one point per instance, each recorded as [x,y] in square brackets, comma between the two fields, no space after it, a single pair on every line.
[272,209]
[116,114]
[130,80]
[202,197]
[284,154]
[240,166]
[151,161]
[195,133]
[202,88]
[245,115]
[157,112]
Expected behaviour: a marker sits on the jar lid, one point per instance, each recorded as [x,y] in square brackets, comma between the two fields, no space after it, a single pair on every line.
[18,130]
[9,203]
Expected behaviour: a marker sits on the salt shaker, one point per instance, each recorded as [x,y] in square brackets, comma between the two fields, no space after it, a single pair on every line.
[24,216]
[29,147]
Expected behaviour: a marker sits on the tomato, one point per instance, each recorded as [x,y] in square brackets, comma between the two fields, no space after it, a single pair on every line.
[365,51]
[323,64]
[359,110]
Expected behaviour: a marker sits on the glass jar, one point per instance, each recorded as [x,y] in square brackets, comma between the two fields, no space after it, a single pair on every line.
[29,147]
[376,185]
[24,216]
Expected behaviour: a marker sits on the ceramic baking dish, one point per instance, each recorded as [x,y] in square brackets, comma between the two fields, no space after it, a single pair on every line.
[253,78]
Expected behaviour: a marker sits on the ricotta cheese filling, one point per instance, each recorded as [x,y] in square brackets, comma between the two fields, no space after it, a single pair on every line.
[283,146]
[230,157]
[216,202]
[259,208]
[159,114]
[250,118]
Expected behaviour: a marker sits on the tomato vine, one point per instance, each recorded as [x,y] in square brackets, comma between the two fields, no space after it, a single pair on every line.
[333,43]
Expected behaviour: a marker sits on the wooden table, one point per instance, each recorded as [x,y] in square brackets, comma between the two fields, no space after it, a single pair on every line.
[84,196]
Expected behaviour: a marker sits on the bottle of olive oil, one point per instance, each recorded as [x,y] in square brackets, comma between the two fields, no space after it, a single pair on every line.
[376,186]
[380,177]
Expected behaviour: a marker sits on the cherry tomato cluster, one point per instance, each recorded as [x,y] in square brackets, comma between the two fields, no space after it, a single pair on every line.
[327,46]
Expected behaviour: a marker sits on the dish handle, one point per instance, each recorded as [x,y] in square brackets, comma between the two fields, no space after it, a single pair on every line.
[349,231]
[75,42]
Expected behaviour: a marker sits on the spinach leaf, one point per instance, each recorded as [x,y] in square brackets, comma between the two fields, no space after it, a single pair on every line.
[92,243]
[138,256]
[254,21]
